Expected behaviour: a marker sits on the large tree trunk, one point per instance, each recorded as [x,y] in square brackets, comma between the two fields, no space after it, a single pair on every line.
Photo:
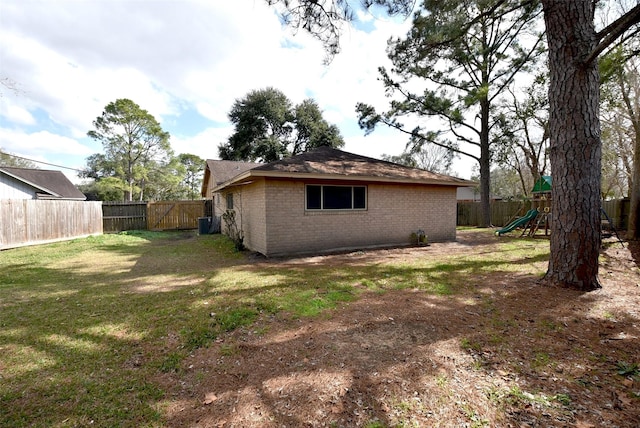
[633,228]
[485,165]
[575,145]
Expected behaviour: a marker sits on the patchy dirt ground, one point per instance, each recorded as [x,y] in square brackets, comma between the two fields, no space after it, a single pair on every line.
[511,353]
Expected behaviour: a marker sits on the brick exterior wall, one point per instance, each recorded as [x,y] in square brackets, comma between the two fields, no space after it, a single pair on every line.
[253,206]
[276,223]
[249,205]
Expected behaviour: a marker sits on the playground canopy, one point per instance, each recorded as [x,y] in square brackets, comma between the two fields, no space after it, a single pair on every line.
[543,185]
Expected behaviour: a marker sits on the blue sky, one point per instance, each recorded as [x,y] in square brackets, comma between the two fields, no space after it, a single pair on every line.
[185,61]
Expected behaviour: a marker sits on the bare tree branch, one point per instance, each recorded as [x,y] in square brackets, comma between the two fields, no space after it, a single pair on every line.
[613,31]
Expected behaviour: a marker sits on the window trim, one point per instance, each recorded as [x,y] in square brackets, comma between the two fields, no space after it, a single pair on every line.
[229,201]
[323,209]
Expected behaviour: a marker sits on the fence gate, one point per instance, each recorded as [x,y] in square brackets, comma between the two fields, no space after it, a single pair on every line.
[168,215]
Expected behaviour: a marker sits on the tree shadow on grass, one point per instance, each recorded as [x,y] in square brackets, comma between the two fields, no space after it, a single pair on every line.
[634,249]
[497,350]
[381,353]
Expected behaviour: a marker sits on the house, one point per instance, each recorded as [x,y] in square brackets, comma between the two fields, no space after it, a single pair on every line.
[472,194]
[28,183]
[217,172]
[468,194]
[39,206]
[329,200]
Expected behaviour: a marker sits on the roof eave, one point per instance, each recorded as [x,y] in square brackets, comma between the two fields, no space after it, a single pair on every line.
[59,198]
[205,180]
[238,178]
[323,176]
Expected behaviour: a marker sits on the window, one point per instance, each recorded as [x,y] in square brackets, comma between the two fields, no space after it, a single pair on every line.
[336,197]
[229,201]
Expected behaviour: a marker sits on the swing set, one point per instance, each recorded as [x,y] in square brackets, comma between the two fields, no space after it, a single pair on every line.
[539,216]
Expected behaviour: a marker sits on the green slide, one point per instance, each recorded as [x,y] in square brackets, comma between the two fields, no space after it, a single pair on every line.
[530,215]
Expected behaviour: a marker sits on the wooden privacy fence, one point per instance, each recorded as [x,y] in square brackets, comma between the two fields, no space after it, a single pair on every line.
[29,221]
[470,213]
[618,212]
[119,216]
[158,215]
[502,212]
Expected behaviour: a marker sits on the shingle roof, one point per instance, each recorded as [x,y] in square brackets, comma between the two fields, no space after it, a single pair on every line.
[327,162]
[53,184]
[224,170]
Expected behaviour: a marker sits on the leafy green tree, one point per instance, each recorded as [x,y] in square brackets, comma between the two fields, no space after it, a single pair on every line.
[464,55]
[268,128]
[575,146]
[134,144]
[163,181]
[311,130]
[98,167]
[262,121]
[194,172]
[9,159]
[106,189]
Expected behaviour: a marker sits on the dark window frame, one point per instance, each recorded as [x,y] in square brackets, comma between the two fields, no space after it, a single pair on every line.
[229,198]
[331,202]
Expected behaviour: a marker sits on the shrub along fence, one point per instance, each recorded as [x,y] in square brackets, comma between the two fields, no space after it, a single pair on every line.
[503,212]
[32,221]
[158,215]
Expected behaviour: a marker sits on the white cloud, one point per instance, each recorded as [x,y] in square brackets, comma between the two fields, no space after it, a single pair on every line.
[71,58]
[75,57]
[16,114]
[204,144]
[33,144]
[374,145]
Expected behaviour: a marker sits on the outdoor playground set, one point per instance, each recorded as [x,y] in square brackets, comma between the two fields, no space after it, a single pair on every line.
[538,218]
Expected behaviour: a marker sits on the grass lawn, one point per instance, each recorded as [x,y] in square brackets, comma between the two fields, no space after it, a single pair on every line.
[84,324]
[87,326]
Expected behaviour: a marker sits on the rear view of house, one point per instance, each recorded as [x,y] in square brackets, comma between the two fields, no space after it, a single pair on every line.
[330,200]
[217,172]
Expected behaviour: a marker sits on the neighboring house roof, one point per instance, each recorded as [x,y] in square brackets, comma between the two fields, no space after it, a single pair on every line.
[330,163]
[223,170]
[48,184]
